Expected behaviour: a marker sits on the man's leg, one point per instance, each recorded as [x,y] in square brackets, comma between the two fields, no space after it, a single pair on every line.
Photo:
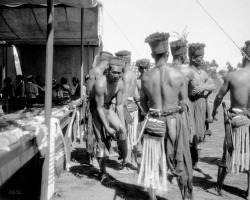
[151,193]
[248,186]
[222,172]
[117,125]
[102,152]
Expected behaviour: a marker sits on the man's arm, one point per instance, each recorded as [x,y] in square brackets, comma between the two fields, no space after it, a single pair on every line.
[143,98]
[219,97]
[99,98]
[208,85]
[126,88]
[119,102]
[183,96]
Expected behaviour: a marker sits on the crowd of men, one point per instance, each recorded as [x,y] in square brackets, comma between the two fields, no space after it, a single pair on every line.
[165,111]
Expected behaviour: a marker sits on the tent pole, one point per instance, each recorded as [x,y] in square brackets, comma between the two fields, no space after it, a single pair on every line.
[6,61]
[3,68]
[82,113]
[46,188]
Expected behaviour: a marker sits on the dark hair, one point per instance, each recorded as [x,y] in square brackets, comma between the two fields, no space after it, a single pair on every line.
[7,80]
[86,77]
[75,79]
[63,80]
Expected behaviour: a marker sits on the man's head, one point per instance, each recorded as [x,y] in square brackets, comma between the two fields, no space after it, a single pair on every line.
[143,65]
[63,81]
[246,50]
[53,82]
[75,81]
[116,66]
[179,50]
[196,53]
[124,55]
[158,43]
[19,78]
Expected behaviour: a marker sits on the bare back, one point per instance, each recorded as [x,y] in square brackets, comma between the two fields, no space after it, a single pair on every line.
[187,73]
[130,82]
[94,74]
[238,83]
[163,86]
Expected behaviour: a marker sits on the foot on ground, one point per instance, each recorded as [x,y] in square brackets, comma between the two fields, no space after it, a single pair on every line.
[217,192]
[107,181]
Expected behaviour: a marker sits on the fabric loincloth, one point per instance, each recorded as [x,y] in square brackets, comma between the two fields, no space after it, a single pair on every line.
[132,127]
[199,115]
[238,160]
[188,118]
[176,153]
[101,145]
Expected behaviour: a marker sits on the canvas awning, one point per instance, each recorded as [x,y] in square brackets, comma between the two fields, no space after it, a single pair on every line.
[25,22]
[73,3]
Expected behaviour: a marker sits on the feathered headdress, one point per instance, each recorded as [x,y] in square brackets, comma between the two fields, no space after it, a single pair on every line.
[246,48]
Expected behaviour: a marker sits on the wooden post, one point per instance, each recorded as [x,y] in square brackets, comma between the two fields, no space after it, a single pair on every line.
[47,185]
[82,111]
[6,61]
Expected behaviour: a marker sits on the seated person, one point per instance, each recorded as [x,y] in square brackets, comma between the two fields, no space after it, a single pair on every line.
[65,88]
[20,87]
[31,89]
[76,87]
[7,90]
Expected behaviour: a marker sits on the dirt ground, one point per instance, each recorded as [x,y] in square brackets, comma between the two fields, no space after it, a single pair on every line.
[82,181]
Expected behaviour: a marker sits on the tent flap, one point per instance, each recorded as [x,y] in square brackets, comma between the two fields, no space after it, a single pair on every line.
[22,25]
[74,3]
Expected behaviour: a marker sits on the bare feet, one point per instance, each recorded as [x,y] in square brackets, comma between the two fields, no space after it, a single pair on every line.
[107,181]
[219,192]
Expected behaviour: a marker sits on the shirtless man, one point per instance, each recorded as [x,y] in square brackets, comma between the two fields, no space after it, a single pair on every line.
[102,64]
[130,106]
[238,159]
[197,94]
[98,71]
[179,53]
[104,118]
[143,67]
[163,89]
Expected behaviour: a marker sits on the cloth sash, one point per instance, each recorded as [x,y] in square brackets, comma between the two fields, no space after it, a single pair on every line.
[131,105]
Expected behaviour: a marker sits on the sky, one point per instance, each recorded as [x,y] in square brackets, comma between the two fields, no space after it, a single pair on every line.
[126,24]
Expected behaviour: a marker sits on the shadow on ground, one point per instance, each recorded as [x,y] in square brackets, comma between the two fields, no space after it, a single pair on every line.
[210,160]
[207,185]
[123,190]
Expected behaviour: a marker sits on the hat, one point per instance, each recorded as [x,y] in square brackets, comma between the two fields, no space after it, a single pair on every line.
[124,55]
[158,42]
[196,49]
[178,47]
[105,56]
[246,48]
[143,63]
[117,62]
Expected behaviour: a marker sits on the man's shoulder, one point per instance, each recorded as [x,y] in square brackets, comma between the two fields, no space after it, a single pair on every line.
[151,73]
[100,82]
